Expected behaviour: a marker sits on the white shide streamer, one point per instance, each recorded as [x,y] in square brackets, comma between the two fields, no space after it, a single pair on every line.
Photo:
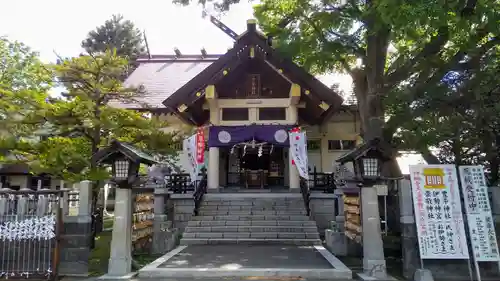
[36,228]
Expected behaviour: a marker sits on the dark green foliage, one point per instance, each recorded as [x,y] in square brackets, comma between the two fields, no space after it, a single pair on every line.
[116,33]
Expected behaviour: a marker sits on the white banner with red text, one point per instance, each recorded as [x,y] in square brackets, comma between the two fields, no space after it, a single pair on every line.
[298,148]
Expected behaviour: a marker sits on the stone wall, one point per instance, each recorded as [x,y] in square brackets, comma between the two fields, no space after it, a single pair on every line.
[75,246]
[180,208]
[323,210]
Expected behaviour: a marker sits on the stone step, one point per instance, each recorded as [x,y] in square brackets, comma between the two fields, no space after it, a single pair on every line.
[256,235]
[258,203]
[290,223]
[251,217]
[251,208]
[249,212]
[278,229]
[202,241]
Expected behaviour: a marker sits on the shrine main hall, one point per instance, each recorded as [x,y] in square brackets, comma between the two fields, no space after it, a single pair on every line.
[247,100]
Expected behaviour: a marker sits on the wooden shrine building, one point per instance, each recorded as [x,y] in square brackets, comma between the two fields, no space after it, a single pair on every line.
[248,99]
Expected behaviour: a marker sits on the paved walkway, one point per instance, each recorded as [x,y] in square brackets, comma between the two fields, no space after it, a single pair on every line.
[249,256]
[248,261]
[215,279]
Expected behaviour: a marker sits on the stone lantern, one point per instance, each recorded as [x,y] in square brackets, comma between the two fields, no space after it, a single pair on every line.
[125,160]
[372,162]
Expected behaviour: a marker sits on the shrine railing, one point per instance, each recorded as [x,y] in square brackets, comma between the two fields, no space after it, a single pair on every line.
[30,225]
[142,220]
[201,189]
[306,194]
[319,181]
[181,183]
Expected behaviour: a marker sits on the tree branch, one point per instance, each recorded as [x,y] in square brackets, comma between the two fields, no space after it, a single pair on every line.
[430,49]
[325,41]
[429,157]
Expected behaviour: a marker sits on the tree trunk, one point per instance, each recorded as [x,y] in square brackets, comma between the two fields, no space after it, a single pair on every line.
[429,157]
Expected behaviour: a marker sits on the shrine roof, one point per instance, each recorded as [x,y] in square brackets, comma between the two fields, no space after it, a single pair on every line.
[162,75]
[14,169]
[240,53]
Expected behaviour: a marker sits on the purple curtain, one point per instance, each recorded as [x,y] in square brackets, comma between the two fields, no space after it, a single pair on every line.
[224,136]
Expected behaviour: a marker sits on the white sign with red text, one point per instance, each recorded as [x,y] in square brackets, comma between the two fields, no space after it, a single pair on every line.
[298,147]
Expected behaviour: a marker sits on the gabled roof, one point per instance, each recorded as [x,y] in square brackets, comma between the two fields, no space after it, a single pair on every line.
[211,74]
[385,150]
[14,169]
[105,155]
[161,76]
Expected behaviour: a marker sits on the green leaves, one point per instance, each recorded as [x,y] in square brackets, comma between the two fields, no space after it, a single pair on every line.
[117,35]
[20,68]
[59,135]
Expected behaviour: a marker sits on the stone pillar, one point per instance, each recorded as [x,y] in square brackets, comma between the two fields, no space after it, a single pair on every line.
[213,169]
[373,247]
[43,201]
[409,239]
[326,165]
[85,198]
[340,218]
[120,260]
[65,207]
[293,173]
[23,200]
[161,227]
[3,200]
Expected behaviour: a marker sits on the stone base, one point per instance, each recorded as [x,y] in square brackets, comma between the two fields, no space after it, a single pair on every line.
[165,240]
[213,190]
[121,266]
[423,275]
[374,268]
[366,277]
[123,277]
[336,242]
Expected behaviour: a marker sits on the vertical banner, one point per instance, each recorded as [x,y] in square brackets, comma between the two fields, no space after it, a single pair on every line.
[298,146]
[438,212]
[479,219]
[200,146]
[189,148]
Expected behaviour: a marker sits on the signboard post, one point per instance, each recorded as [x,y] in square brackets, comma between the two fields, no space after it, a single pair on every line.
[438,213]
[479,219]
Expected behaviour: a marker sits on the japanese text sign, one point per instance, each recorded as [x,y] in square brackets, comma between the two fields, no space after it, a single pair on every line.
[200,146]
[438,212]
[479,219]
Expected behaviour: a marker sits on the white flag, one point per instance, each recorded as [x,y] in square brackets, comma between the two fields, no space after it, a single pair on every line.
[189,149]
[298,146]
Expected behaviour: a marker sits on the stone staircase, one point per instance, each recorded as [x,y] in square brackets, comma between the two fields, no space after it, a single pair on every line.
[252,218]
